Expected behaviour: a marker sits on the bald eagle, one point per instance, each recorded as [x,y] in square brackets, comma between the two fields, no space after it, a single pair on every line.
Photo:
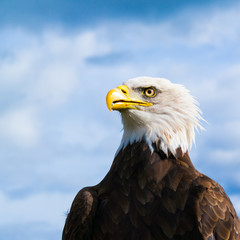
[153,191]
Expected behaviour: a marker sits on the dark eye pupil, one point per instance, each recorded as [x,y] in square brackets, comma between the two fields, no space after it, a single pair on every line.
[149,92]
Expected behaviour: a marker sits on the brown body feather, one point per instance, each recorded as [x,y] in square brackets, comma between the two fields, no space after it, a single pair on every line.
[149,196]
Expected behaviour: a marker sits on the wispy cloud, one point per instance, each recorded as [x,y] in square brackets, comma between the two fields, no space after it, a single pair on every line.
[19,126]
[236,202]
[35,208]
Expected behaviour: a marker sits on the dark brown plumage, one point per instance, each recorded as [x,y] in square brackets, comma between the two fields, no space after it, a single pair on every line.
[149,196]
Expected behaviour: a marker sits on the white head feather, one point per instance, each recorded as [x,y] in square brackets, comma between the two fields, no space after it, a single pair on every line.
[171,120]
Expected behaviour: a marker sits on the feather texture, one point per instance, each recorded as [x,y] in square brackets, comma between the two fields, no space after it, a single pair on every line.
[149,196]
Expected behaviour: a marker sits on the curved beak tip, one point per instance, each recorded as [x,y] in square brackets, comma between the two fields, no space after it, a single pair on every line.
[109,108]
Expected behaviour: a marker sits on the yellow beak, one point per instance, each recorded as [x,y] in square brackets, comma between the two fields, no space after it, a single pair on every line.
[118,99]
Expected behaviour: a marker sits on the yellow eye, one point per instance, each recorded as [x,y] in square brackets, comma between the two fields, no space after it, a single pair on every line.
[149,92]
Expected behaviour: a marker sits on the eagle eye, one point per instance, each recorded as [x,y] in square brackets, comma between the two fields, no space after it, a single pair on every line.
[149,92]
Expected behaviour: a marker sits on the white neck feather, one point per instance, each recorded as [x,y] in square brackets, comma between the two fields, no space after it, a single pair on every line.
[169,131]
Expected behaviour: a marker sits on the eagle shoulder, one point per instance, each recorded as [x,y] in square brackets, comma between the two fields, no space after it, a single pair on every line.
[78,224]
[216,216]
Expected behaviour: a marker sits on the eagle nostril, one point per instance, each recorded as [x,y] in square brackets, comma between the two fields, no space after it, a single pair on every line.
[123,89]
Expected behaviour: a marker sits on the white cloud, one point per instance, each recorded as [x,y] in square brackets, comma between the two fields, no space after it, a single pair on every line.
[83,133]
[54,84]
[48,208]
[214,26]
[236,202]
[193,28]
[48,68]
[19,126]
[225,156]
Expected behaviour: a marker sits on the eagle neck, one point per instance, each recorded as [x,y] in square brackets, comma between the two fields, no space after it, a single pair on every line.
[139,153]
[154,141]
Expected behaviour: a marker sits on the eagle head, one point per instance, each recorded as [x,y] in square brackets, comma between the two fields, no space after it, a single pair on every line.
[157,111]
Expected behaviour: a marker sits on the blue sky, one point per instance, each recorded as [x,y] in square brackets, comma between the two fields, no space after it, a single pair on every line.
[78,12]
[57,62]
